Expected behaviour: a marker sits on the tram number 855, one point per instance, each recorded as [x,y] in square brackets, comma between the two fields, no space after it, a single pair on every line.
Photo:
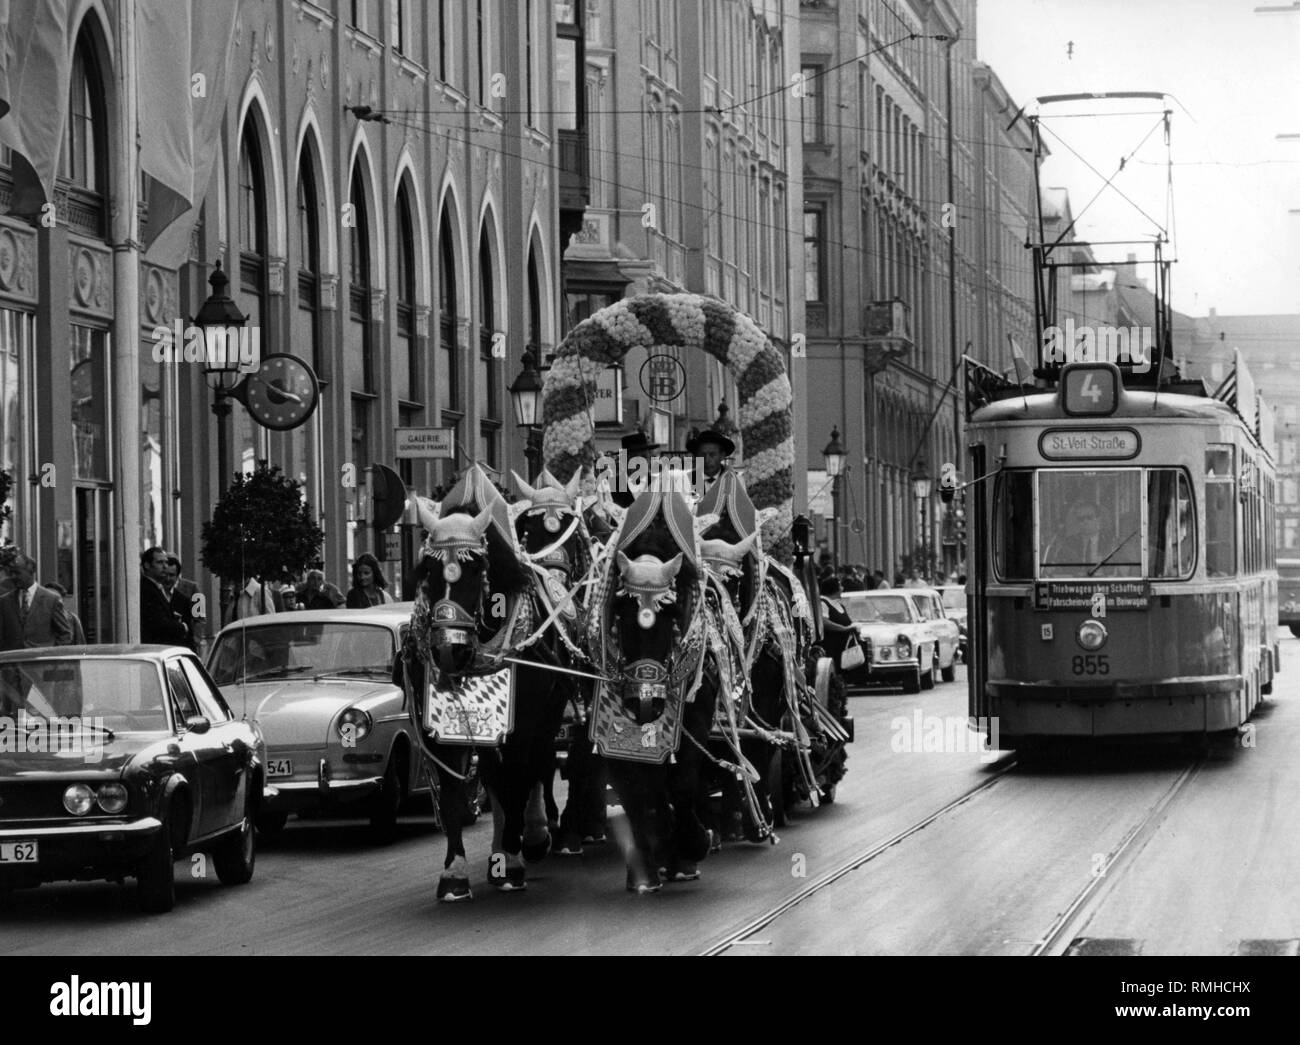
[1090,664]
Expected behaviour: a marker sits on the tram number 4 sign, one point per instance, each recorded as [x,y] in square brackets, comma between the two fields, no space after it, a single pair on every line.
[1083,595]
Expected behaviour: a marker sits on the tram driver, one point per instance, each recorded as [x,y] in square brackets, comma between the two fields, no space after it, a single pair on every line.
[1083,549]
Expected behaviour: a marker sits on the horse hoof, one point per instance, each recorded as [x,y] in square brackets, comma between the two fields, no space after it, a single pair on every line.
[643,886]
[536,851]
[685,871]
[453,890]
[512,880]
[594,839]
[570,845]
[715,842]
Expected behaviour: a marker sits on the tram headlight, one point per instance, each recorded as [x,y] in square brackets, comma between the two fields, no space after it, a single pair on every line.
[1091,635]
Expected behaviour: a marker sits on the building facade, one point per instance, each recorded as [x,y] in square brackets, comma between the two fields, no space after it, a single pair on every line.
[694,159]
[916,196]
[410,259]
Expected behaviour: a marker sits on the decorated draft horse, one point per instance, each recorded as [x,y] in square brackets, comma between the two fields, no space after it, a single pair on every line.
[556,536]
[476,662]
[794,740]
[652,636]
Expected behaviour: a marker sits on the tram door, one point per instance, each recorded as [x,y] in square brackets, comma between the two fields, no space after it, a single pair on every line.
[977,562]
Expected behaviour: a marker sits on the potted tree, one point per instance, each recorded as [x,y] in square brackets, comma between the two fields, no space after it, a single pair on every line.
[261,528]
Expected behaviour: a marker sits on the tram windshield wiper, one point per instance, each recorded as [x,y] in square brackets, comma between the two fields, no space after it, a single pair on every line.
[1111,553]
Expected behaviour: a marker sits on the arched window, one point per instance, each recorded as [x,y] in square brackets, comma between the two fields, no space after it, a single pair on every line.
[84,160]
[488,366]
[534,308]
[359,355]
[309,260]
[251,238]
[448,315]
[406,358]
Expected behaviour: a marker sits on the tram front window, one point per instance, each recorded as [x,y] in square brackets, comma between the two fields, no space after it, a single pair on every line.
[1090,523]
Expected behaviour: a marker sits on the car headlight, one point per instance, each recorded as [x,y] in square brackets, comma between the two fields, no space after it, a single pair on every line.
[78,799]
[354,724]
[111,798]
[1091,635]
[904,647]
[886,653]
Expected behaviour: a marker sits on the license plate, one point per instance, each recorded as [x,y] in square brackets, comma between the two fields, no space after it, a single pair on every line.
[279,767]
[564,733]
[18,852]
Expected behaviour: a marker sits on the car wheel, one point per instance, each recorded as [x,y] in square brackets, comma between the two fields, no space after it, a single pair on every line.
[949,674]
[912,682]
[236,854]
[828,794]
[156,874]
[271,824]
[927,676]
[386,802]
[1295,630]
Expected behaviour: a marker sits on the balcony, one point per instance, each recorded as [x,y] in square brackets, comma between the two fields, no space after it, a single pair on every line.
[886,332]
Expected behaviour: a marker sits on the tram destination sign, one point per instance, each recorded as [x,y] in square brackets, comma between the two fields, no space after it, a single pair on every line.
[1084,595]
[1071,444]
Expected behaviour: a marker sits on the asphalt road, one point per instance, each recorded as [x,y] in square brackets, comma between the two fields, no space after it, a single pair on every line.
[1156,850]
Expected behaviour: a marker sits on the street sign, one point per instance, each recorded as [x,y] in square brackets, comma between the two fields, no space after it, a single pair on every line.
[392,547]
[426,442]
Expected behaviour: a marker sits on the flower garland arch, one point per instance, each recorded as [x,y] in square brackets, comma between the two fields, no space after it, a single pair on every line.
[683,321]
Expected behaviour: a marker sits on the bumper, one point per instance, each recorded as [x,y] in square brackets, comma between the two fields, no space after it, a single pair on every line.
[1196,705]
[881,672]
[81,851]
[325,793]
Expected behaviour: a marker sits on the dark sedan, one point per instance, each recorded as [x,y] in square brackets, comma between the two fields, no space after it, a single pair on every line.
[115,761]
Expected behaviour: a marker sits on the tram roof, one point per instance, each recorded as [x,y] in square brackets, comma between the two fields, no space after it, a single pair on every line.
[1046,406]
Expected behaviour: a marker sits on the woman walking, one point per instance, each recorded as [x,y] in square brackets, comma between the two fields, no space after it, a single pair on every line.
[368,585]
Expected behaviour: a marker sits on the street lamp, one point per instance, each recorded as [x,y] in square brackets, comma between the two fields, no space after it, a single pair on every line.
[921,485]
[220,360]
[526,398]
[835,464]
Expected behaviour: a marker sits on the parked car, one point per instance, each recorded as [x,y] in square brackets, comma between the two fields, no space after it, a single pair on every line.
[904,646]
[121,760]
[945,630]
[338,732]
[954,605]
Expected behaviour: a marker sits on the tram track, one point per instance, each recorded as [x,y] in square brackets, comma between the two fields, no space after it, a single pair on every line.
[1061,935]
[738,937]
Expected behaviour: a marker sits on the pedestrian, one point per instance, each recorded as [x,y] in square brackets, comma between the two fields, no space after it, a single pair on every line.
[368,585]
[879,578]
[318,594]
[254,599]
[182,591]
[159,622]
[31,616]
[837,625]
[78,632]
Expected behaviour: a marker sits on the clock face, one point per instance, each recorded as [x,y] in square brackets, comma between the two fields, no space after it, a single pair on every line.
[282,393]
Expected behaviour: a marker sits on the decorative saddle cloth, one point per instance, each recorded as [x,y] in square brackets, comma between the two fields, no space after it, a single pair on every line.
[479,711]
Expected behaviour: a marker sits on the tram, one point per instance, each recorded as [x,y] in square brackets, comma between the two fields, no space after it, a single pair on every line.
[1122,569]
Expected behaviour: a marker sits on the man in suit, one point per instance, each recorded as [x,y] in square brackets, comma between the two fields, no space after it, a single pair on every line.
[714,448]
[182,591]
[78,632]
[159,621]
[1083,550]
[31,616]
[635,445]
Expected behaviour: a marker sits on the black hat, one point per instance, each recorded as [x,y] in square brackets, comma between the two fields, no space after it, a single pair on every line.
[638,442]
[710,436]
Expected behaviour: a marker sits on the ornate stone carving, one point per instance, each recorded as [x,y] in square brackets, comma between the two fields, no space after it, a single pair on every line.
[275,275]
[91,278]
[422,320]
[329,293]
[325,70]
[151,297]
[270,41]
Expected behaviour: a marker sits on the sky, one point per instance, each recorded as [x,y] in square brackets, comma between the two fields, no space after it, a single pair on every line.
[1235,80]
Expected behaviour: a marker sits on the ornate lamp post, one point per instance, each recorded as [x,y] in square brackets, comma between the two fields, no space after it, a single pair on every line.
[921,486]
[835,464]
[526,398]
[220,367]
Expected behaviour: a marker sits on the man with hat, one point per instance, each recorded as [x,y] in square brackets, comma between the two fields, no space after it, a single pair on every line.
[714,448]
[637,444]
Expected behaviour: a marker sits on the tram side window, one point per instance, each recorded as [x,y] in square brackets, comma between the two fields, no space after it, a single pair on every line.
[1013,523]
[1171,524]
[1220,513]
